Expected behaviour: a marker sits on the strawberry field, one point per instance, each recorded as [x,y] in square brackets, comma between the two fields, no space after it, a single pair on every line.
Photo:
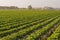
[29,24]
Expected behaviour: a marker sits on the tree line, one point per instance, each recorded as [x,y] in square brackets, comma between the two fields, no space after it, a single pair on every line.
[8,7]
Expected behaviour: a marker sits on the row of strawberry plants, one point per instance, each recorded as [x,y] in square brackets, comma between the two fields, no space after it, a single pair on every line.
[49,33]
[55,35]
[10,20]
[15,29]
[38,33]
[17,25]
[14,21]
[23,32]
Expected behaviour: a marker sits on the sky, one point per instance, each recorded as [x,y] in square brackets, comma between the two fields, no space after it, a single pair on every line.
[34,3]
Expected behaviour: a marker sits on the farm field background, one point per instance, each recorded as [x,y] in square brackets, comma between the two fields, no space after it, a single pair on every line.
[30,24]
